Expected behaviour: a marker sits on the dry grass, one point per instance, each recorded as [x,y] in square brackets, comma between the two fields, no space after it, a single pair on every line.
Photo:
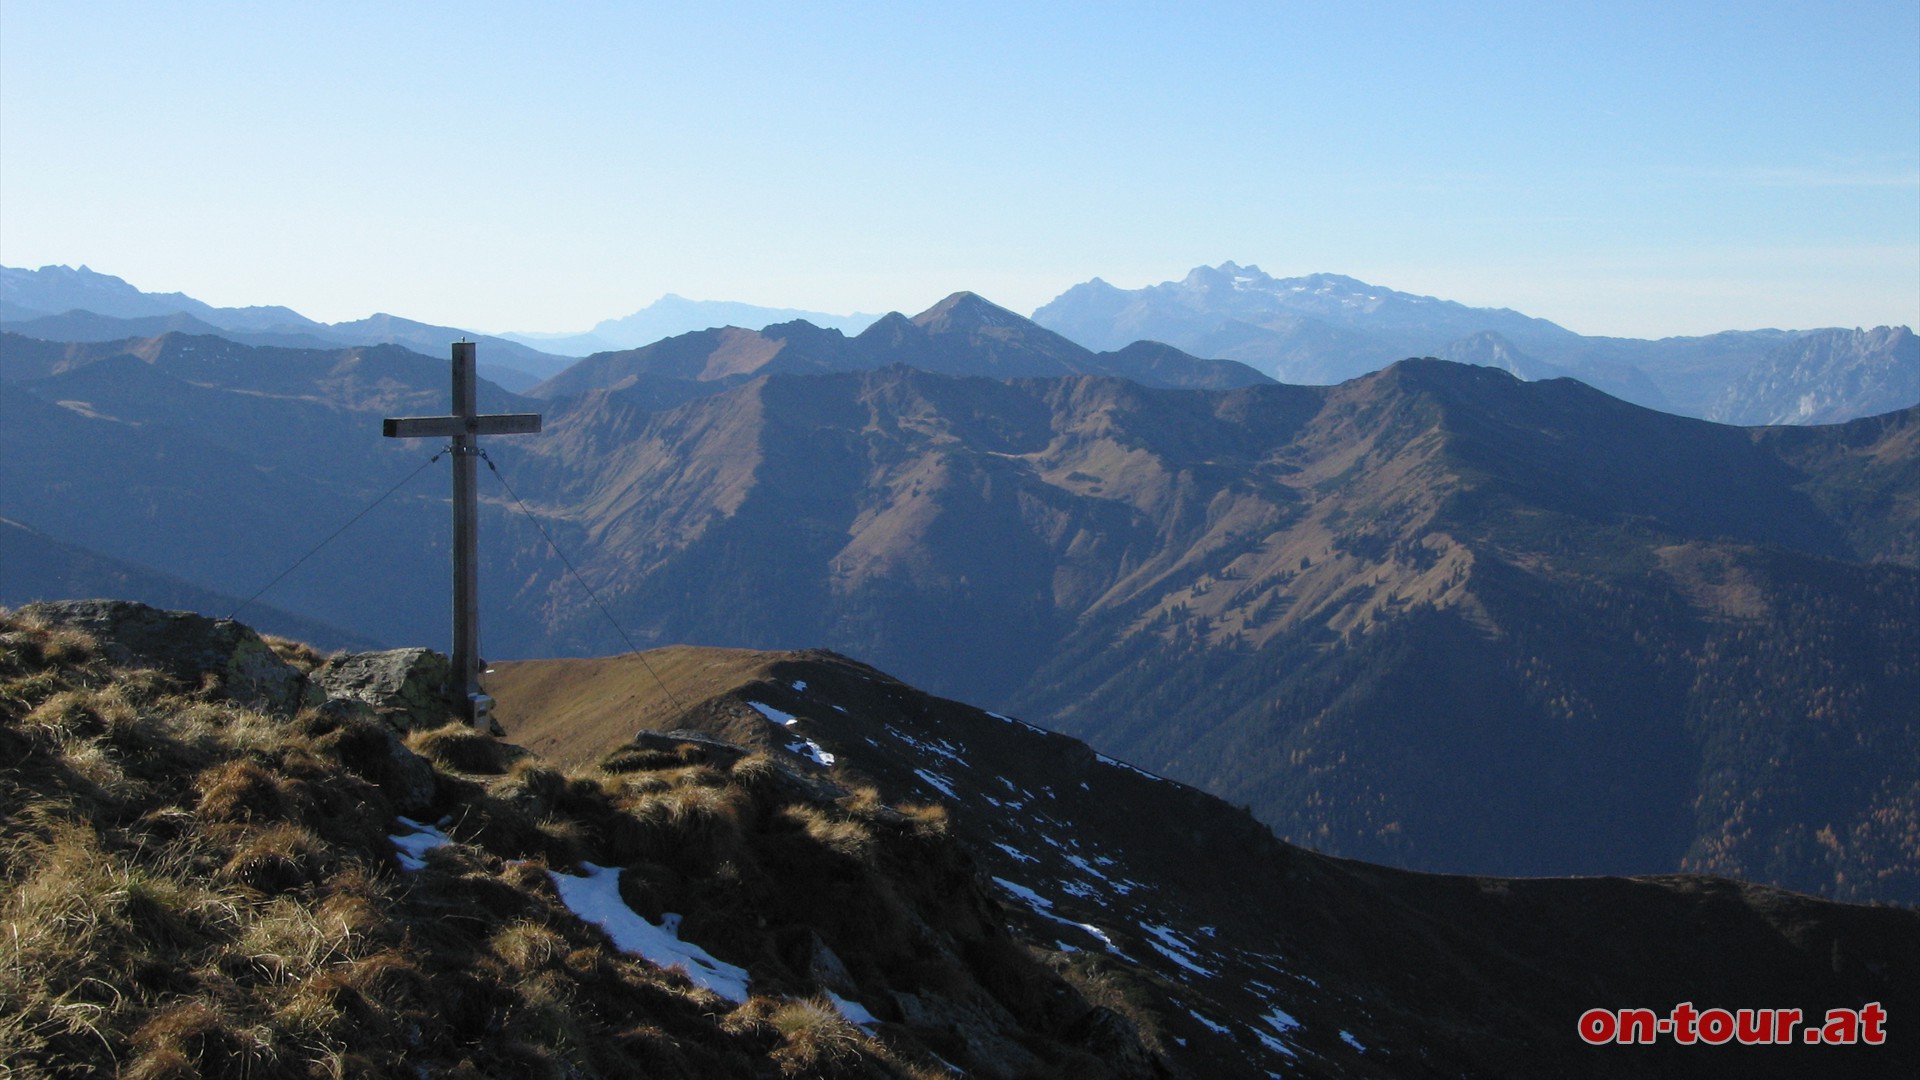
[816,1041]
[197,889]
[458,747]
[303,657]
[841,835]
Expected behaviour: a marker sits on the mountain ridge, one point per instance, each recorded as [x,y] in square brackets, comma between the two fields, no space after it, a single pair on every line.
[1326,328]
[49,299]
[963,334]
[1303,598]
[1088,849]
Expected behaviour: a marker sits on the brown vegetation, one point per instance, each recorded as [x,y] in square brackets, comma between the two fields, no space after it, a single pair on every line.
[196,889]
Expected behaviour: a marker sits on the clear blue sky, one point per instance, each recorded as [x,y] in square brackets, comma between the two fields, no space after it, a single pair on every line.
[1622,168]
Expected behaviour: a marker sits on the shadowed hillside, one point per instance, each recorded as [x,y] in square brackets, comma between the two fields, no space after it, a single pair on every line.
[1436,617]
[1248,955]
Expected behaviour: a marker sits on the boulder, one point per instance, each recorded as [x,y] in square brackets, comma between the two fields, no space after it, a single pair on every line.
[188,647]
[405,687]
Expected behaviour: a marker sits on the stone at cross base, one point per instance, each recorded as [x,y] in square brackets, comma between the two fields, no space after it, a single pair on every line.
[407,688]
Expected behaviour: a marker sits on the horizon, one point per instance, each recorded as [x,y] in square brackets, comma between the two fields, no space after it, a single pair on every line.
[1643,173]
[911,312]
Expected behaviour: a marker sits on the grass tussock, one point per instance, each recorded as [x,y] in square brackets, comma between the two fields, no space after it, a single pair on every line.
[303,657]
[193,889]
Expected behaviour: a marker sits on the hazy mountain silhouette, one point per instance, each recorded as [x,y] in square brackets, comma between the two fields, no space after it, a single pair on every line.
[54,303]
[673,315]
[964,334]
[1326,328]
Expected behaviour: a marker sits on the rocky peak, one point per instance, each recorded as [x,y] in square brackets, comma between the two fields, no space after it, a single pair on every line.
[965,312]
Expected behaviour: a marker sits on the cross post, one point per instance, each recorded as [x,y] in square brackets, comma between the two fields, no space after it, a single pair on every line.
[464,427]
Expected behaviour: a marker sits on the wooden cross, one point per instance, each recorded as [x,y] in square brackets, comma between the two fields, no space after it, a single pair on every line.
[464,427]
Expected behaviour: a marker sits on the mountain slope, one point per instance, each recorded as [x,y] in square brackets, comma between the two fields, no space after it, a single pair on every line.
[1826,377]
[244,875]
[223,465]
[229,885]
[1251,956]
[38,567]
[1374,612]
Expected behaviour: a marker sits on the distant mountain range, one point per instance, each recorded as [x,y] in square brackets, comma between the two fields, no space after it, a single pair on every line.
[1325,328]
[1434,616]
[964,334]
[673,315]
[57,303]
[1316,330]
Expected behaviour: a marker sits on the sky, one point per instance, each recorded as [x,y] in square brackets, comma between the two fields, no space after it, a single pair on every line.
[1624,168]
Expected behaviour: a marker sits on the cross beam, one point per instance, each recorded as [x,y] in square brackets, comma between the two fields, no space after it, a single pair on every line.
[464,427]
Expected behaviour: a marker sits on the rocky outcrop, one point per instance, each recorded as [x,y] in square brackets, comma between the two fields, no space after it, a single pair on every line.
[405,687]
[189,647]
[1826,377]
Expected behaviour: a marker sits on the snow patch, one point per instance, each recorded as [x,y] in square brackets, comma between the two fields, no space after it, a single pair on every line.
[594,896]
[1042,906]
[1016,853]
[1022,723]
[1281,1021]
[1092,868]
[806,747]
[935,780]
[784,719]
[940,748]
[812,751]
[855,1013]
[1272,1043]
[411,848]
[1169,945]
[1217,1029]
[1105,760]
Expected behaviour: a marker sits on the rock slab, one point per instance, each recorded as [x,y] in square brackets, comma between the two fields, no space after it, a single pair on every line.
[187,646]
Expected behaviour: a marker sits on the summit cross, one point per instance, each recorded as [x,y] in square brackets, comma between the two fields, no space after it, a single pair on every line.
[464,427]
